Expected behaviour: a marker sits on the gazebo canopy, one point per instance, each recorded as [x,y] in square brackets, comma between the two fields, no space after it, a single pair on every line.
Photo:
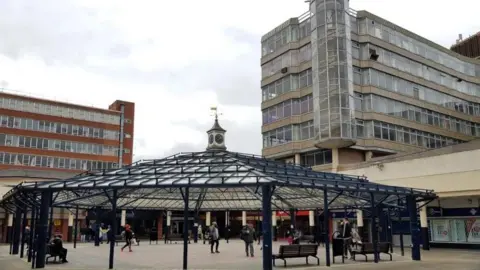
[217,180]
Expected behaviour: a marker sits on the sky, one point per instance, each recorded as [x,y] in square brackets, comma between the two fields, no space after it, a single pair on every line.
[175,59]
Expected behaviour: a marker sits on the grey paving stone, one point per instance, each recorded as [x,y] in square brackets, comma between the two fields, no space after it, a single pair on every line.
[232,256]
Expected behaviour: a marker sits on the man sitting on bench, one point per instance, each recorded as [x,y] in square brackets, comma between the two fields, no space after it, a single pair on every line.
[57,247]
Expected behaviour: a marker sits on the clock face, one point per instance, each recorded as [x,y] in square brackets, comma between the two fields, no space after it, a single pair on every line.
[219,139]
[210,139]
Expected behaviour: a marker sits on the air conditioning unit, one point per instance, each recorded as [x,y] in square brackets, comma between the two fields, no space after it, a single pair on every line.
[284,70]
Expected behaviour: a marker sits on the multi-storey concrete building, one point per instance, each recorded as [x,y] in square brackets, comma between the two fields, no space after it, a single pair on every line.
[342,87]
[469,47]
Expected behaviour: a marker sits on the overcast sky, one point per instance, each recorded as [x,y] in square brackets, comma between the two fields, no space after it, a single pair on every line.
[175,59]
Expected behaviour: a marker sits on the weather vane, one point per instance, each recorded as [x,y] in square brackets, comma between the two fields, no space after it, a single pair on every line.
[214,111]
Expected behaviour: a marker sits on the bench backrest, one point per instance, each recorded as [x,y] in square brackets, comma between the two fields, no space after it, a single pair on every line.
[384,247]
[309,249]
[367,247]
[289,250]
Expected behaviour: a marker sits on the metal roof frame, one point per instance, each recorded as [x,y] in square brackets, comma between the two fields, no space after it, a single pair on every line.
[218,180]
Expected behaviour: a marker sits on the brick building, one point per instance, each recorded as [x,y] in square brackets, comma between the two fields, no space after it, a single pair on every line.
[46,139]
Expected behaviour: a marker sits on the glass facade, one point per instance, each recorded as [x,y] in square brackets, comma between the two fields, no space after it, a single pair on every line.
[378,104]
[329,25]
[286,84]
[58,128]
[58,110]
[405,135]
[407,88]
[373,28]
[57,145]
[54,162]
[288,108]
[288,133]
[420,70]
[291,58]
[332,70]
[314,158]
[455,230]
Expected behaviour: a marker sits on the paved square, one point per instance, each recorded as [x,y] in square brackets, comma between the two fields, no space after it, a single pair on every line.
[232,256]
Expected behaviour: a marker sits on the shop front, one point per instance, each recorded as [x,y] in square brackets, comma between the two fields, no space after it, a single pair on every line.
[457,227]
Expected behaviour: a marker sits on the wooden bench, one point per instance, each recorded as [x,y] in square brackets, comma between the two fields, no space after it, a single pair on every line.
[367,248]
[296,251]
[51,254]
[176,237]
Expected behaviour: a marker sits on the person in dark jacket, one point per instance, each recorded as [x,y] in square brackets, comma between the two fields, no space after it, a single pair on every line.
[346,233]
[248,236]
[57,246]
[128,238]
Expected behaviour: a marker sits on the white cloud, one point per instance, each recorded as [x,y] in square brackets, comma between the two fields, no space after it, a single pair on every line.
[174,59]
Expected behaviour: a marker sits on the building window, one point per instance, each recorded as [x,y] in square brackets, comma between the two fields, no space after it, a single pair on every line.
[316,158]
[53,162]
[60,128]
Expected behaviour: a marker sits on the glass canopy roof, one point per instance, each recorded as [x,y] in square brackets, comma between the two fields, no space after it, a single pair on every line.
[217,180]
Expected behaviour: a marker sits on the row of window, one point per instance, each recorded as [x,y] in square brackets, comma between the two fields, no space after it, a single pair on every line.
[420,70]
[59,128]
[363,129]
[404,87]
[399,109]
[293,33]
[288,59]
[288,133]
[406,135]
[286,84]
[288,108]
[398,39]
[56,110]
[58,145]
[378,104]
[314,158]
[54,162]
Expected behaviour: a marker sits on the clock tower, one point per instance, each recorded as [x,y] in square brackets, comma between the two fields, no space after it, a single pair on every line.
[216,135]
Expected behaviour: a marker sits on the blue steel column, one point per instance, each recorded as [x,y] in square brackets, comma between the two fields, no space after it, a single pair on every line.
[267,226]
[24,227]
[185,228]
[390,229]
[97,227]
[75,230]
[402,250]
[113,228]
[326,226]
[414,228]
[373,211]
[17,229]
[35,238]
[50,223]
[42,229]
[32,233]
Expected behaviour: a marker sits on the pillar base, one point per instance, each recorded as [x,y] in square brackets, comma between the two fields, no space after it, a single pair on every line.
[360,233]
[9,235]
[425,239]
[69,234]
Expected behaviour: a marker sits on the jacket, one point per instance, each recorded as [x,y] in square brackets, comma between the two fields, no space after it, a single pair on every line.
[248,235]
[346,230]
[213,234]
